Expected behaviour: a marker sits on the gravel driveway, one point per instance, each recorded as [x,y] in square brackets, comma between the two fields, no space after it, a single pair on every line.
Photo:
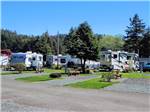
[18,96]
[131,85]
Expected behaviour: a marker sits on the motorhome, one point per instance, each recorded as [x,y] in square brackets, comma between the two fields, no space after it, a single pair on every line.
[133,61]
[31,60]
[119,60]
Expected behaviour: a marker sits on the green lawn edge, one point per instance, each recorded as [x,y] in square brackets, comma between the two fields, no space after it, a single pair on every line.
[95,83]
[37,78]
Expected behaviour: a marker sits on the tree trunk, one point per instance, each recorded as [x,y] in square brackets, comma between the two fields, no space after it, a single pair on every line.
[83,65]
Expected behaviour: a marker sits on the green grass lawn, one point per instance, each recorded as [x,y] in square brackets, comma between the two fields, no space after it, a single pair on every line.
[92,84]
[36,78]
[46,70]
[130,75]
[135,75]
[9,73]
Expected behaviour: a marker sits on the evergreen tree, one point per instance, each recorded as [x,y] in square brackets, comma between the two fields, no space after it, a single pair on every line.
[81,44]
[134,34]
[145,44]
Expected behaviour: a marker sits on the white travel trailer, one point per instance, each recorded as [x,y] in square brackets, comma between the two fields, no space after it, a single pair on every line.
[119,60]
[31,60]
[54,60]
[4,60]
[37,60]
[63,60]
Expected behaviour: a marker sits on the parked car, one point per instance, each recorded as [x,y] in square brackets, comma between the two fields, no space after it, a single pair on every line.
[146,67]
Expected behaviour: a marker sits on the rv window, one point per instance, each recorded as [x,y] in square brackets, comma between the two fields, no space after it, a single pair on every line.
[115,56]
[148,63]
[33,58]
[63,60]
[40,58]
[29,59]
[55,59]
[128,57]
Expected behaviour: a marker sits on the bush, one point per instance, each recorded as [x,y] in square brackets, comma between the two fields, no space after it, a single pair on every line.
[107,76]
[55,75]
[19,67]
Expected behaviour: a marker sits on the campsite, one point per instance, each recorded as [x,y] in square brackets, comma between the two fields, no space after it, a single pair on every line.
[75,56]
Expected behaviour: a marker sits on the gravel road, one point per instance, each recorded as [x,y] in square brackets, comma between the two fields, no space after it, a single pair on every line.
[19,96]
[131,85]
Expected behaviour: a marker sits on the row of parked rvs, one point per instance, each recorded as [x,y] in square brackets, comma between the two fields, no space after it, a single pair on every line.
[108,59]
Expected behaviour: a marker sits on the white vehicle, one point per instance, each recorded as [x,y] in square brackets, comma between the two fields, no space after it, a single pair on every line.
[63,60]
[54,60]
[4,60]
[37,60]
[31,60]
[133,60]
[119,60]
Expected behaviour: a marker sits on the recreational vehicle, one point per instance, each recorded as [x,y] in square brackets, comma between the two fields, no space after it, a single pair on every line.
[120,60]
[63,60]
[54,60]
[113,60]
[133,61]
[4,60]
[5,57]
[31,60]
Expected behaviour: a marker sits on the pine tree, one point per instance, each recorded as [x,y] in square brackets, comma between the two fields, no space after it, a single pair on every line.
[145,44]
[81,44]
[134,34]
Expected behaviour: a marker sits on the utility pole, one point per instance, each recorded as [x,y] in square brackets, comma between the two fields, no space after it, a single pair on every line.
[57,49]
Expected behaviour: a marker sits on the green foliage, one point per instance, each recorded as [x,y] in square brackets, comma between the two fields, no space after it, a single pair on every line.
[108,42]
[145,44]
[81,44]
[107,76]
[45,44]
[134,34]
[55,75]
[19,67]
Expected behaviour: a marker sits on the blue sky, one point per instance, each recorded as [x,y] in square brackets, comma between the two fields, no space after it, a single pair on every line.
[104,17]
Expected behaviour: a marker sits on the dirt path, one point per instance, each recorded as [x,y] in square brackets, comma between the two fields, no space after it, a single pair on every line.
[35,97]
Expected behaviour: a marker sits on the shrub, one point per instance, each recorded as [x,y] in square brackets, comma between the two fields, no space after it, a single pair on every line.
[107,76]
[55,75]
[19,67]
